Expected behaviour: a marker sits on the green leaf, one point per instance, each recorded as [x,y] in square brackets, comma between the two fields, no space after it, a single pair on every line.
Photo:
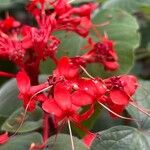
[122,28]
[8,98]
[146,10]
[22,142]
[63,142]
[142,97]
[128,5]
[5,4]
[122,138]
[33,121]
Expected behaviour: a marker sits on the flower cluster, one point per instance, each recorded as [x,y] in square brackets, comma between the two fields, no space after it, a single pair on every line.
[66,92]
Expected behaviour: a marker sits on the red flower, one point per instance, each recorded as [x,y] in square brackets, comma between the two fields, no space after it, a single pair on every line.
[121,88]
[61,105]
[74,19]
[11,49]
[8,24]
[103,52]
[88,139]
[89,91]
[4,138]
[27,91]
[66,69]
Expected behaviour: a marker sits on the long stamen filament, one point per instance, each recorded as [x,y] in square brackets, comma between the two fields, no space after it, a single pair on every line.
[122,117]
[71,1]
[86,72]
[139,108]
[71,137]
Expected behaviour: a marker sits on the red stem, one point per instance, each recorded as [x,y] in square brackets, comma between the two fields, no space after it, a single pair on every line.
[8,75]
[45,127]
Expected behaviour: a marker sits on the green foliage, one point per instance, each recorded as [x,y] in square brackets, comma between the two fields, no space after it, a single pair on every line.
[32,121]
[63,142]
[122,138]
[22,142]
[8,98]
[6,4]
[128,5]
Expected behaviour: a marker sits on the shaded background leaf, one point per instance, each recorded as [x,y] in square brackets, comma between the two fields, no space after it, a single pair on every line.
[122,138]
[22,142]
[33,121]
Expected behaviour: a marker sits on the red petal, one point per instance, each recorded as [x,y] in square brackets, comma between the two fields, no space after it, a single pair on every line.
[37,88]
[4,138]
[88,86]
[130,84]
[62,96]
[63,66]
[111,65]
[72,72]
[88,139]
[118,109]
[101,87]
[119,97]
[81,98]
[84,116]
[23,82]
[50,106]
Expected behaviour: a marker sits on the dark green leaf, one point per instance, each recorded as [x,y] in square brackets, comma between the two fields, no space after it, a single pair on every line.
[128,5]
[5,4]
[8,98]
[33,121]
[63,142]
[122,138]
[22,142]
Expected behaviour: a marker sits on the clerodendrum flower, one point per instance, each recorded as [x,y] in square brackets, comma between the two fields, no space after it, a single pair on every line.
[67,91]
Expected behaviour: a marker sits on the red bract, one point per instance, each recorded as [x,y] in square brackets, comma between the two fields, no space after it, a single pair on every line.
[4,138]
[27,91]
[41,41]
[74,19]
[103,52]
[8,24]
[66,69]
[33,8]
[88,139]
[11,49]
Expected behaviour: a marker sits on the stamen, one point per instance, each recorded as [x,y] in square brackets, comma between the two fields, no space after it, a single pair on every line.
[140,108]
[122,117]
[71,1]
[86,72]
[96,32]
[71,137]
[102,24]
